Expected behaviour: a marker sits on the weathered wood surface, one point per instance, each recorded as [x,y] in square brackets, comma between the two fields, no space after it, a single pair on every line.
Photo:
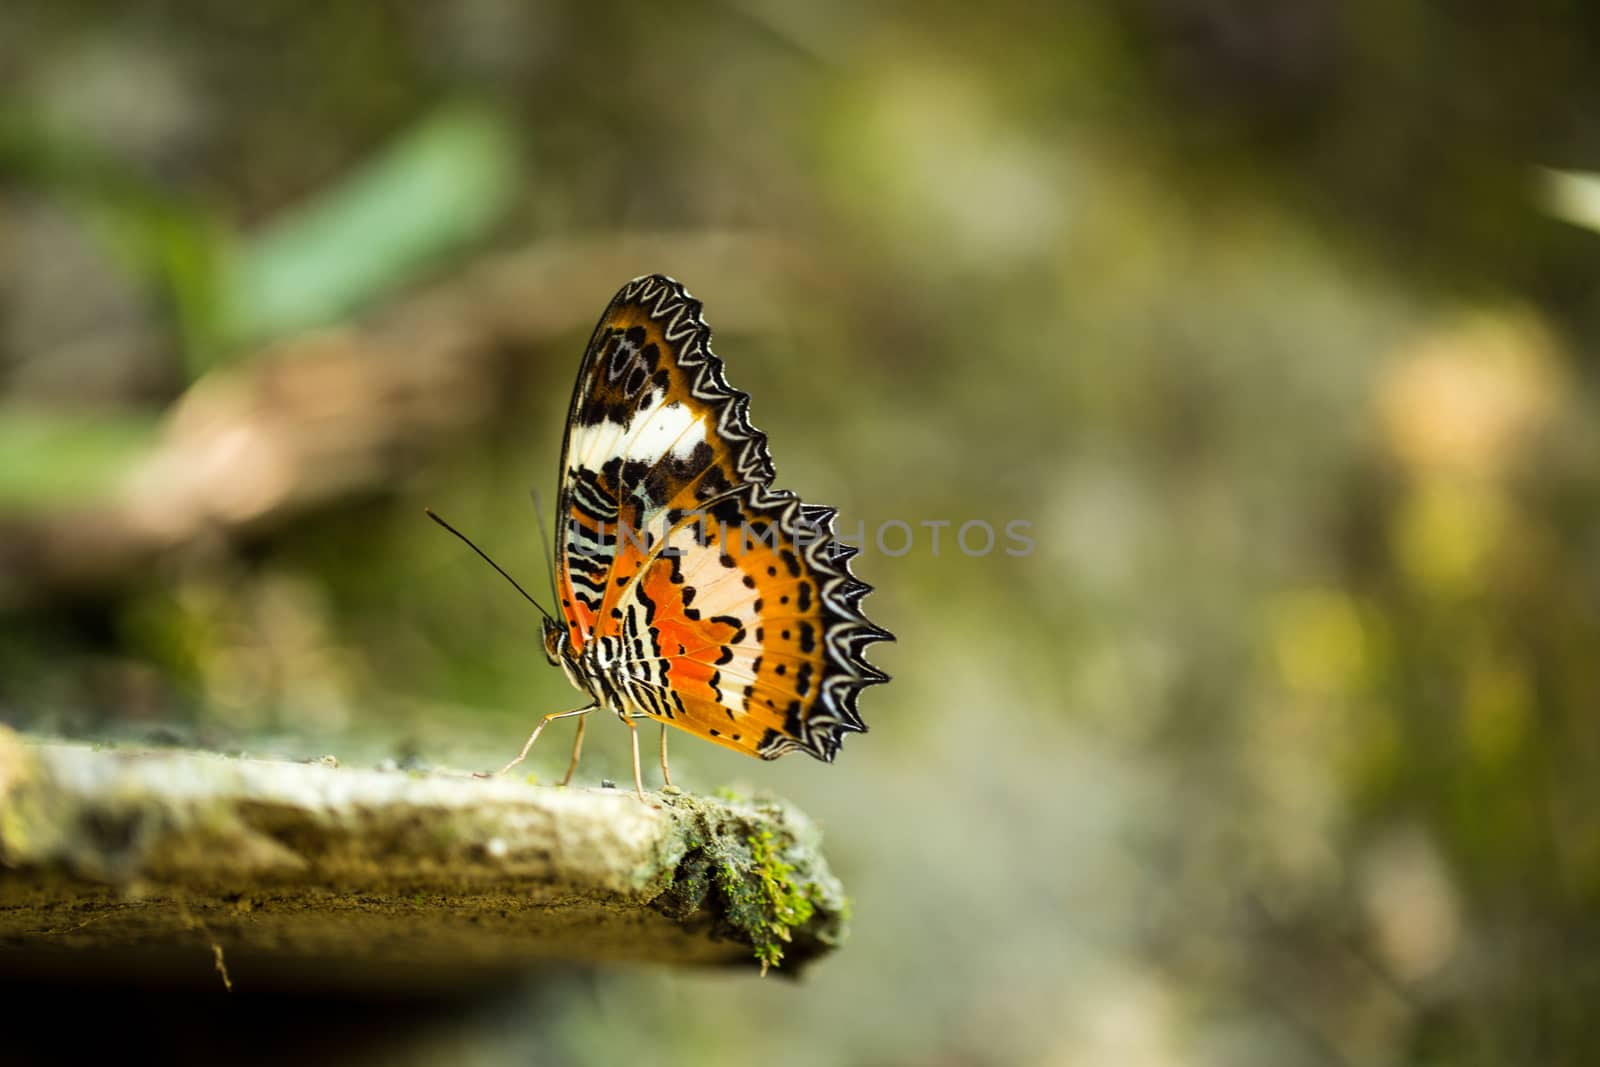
[119,863]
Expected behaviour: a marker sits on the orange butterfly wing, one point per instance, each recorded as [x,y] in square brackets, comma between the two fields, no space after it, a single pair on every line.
[736,611]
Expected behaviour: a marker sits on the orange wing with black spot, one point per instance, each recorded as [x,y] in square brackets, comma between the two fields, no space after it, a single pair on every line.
[738,615]
[747,630]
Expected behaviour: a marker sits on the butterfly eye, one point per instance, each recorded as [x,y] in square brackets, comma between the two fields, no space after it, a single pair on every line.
[554,637]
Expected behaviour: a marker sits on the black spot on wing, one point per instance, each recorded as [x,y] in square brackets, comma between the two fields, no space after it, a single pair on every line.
[618,474]
[727,513]
[793,720]
[635,381]
[672,472]
[713,484]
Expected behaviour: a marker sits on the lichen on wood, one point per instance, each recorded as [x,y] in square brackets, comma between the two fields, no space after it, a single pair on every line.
[158,860]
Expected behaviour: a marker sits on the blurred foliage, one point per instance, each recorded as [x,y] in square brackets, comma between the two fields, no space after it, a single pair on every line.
[366,236]
[1280,746]
[51,459]
[355,242]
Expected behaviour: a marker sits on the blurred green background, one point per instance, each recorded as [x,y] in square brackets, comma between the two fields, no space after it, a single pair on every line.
[1277,322]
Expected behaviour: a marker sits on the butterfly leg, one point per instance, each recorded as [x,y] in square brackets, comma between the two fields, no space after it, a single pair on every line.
[537,730]
[638,779]
[666,775]
[577,747]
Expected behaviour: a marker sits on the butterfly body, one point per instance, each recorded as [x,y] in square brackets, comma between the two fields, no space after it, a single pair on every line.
[690,590]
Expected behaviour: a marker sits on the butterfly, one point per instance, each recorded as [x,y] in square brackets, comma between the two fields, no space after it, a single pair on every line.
[689,590]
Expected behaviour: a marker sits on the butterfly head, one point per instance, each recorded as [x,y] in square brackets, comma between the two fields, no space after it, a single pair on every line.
[556,645]
[559,651]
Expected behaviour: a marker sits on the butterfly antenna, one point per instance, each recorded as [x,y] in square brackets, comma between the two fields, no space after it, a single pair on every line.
[544,539]
[485,556]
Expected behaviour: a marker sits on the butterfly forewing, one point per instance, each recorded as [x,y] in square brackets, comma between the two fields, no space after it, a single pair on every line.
[733,604]
[653,426]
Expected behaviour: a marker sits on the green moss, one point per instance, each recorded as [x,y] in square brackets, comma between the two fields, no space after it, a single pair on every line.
[788,904]
[754,869]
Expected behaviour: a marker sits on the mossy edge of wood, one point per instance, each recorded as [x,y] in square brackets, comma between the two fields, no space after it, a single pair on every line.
[279,861]
[756,863]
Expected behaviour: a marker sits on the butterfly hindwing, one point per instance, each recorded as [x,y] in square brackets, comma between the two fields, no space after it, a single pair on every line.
[747,628]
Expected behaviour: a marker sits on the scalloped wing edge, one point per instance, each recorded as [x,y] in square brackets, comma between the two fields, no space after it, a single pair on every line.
[846,630]
[682,324]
